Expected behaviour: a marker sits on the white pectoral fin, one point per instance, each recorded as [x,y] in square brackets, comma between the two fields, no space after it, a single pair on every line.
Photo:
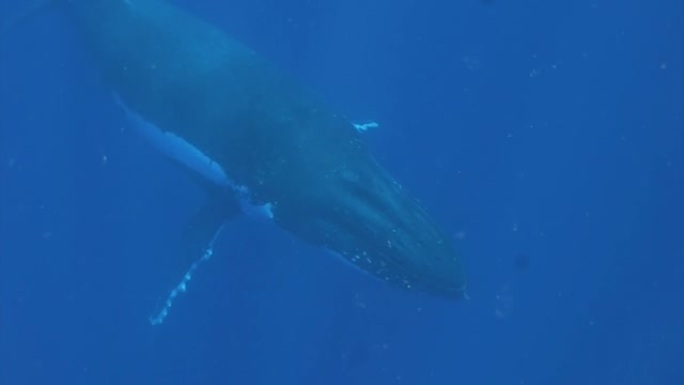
[175,147]
[196,245]
[226,199]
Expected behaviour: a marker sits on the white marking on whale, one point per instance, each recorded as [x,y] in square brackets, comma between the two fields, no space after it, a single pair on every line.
[176,147]
[182,151]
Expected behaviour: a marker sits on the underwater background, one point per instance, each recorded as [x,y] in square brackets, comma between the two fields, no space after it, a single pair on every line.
[546,137]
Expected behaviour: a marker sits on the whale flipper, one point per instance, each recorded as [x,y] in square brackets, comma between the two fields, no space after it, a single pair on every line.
[196,245]
[203,226]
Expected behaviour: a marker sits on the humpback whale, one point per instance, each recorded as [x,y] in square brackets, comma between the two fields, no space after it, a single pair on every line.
[261,142]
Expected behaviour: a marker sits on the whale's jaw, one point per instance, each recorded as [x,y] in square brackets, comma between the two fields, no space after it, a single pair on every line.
[364,215]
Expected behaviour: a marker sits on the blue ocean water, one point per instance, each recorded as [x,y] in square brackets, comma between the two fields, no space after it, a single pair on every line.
[546,137]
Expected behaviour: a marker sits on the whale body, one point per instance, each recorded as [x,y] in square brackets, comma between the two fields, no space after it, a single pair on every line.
[258,139]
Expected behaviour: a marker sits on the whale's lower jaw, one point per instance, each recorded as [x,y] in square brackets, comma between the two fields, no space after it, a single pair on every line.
[363,215]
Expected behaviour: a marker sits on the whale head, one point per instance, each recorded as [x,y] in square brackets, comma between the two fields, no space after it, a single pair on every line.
[361,213]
